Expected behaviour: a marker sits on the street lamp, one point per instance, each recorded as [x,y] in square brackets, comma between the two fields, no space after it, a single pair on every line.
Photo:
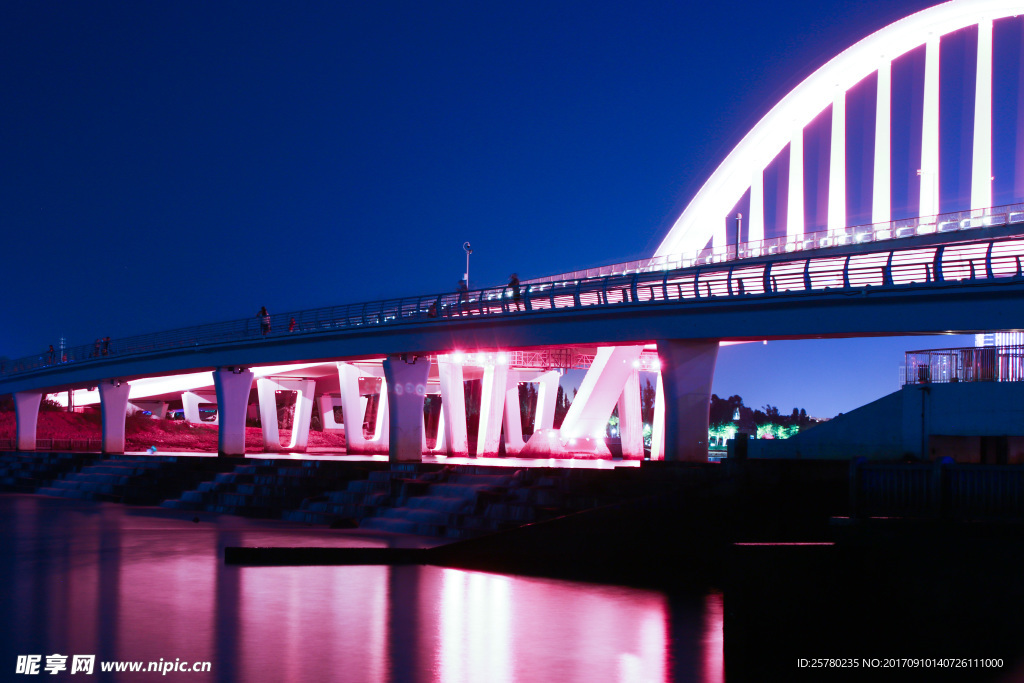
[469,250]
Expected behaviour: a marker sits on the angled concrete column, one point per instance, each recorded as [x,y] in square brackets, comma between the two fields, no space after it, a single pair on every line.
[113,407]
[26,415]
[233,386]
[513,416]
[327,421]
[547,396]
[190,402]
[588,415]
[687,368]
[158,409]
[406,387]
[492,403]
[353,408]
[658,426]
[453,402]
[439,444]
[266,389]
[631,427]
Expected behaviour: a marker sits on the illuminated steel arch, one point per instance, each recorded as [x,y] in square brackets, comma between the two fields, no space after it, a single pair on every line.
[743,170]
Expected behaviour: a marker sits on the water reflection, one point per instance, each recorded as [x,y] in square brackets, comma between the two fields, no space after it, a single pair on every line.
[126,584]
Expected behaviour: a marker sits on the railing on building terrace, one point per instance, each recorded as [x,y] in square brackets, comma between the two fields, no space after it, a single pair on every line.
[986,260]
[861,234]
[970,364]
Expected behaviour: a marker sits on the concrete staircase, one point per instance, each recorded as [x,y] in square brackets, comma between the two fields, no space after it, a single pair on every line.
[265,488]
[461,501]
[27,472]
[136,480]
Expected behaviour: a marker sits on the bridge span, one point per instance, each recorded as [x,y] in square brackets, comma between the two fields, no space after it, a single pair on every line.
[931,282]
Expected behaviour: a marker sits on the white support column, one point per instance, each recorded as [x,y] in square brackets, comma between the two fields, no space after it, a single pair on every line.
[687,368]
[631,428]
[795,206]
[327,421]
[837,167]
[547,397]
[492,404]
[930,131]
[658,426]
[513,416]
[113,408]
[382,425]
[26,416]
[881,192]
[190,402]
[453,402]
[588,415]
[157,409]
[981,169]
[353,409]
[266,391]
[233,386]
[755,229]
[406,379]
[440,444]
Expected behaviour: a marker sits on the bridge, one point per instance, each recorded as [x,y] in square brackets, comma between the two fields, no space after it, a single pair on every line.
[714,279]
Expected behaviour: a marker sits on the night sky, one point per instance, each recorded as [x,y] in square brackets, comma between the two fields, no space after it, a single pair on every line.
[175,163]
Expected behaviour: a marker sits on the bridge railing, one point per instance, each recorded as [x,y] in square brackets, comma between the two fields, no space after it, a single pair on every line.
[970,364]
[956,221]
[988,260]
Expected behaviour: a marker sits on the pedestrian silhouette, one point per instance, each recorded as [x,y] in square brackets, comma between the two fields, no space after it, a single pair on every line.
[264,320]
[106,345]
[513,283]
[291,325]
[51,355]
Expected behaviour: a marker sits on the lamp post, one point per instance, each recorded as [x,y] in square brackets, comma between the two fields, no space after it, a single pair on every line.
[469,250]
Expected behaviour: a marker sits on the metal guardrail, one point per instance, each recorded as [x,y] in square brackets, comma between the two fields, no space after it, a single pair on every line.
[984,260]
[969,364]
[956,221]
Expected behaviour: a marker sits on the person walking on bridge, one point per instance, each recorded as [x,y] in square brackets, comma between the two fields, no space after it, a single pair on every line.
[513,283]
[264,320]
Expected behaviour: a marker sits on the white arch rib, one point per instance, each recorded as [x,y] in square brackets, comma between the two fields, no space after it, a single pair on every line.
[723,189]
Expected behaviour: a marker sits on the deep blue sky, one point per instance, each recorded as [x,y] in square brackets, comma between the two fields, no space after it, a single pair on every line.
[173,163]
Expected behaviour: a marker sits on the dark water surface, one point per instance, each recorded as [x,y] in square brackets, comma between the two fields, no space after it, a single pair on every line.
[137,584]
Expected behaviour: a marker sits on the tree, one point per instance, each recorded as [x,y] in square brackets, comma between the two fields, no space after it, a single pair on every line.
[647,395]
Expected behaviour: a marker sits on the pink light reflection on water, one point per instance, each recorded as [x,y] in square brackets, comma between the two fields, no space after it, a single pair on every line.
[97,579]
[498,628]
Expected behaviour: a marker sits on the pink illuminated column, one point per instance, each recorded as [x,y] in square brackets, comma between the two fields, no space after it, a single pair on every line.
[631,428]
[406,378]
[453,402]
[233,386]
[26,415]
[687,368]
[113,406]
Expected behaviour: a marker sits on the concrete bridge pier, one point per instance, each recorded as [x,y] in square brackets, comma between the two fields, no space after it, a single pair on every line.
[113,408]
[687,369]
[453,403]
[158,409]
[233,386]
[26,416]
[598,393]
[406,378]
[266,389]
[544,416]
[492,406]
[190,402]
[353,408]
[631,428]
